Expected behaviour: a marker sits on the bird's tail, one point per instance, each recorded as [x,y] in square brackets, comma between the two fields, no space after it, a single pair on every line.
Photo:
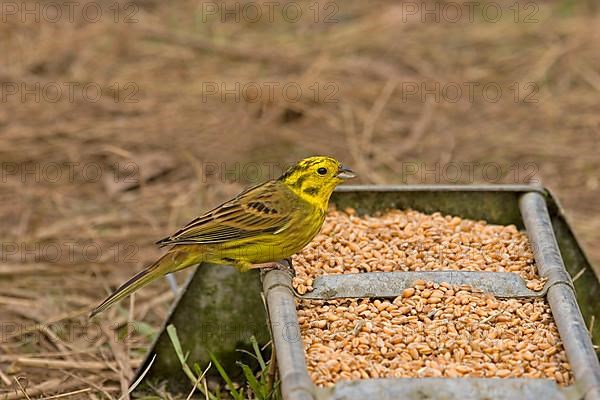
[172,261]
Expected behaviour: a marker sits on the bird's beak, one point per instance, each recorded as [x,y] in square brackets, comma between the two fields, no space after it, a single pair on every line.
[345,173]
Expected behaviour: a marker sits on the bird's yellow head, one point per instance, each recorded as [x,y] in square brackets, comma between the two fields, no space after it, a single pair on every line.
[314,178]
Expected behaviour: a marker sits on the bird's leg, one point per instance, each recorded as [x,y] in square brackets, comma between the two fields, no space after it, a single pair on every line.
[284,265]
[291,266]
[269,265]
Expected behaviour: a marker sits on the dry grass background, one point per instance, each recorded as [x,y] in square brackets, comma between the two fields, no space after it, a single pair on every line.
[104,228]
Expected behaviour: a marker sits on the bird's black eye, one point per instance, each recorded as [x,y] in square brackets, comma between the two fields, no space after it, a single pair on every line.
[322,171]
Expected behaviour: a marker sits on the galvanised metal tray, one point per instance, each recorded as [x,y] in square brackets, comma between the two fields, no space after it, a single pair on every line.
[219,308]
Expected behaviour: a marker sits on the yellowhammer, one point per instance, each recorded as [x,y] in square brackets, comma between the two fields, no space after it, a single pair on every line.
[263,224]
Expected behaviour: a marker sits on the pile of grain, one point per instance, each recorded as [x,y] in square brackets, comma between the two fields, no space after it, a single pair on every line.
[432,330]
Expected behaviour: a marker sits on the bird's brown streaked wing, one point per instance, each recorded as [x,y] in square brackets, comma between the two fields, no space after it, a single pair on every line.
[261,209]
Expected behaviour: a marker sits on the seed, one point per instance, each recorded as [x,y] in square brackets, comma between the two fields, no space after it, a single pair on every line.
[331,317]
[404,310]
[503,373]
[363,307]
[543,345]
[528,355]
[551,351]
[463,369]
[333,365]
[301,289]
[319,324]
[413,353]
[408,292]
[388,331]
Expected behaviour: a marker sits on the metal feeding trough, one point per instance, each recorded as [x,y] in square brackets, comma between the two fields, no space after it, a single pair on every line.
[204,325]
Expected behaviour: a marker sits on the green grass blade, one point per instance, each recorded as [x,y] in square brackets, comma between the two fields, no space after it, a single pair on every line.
[259,356]
[234,393]
[259,389]
[172,332]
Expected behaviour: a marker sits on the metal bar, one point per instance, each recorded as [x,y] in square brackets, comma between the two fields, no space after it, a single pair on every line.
[440,188]
[561,295]
[392,284]
[450,389]
[295,381]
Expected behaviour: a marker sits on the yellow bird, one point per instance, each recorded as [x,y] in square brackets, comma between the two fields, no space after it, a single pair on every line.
[265,223]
